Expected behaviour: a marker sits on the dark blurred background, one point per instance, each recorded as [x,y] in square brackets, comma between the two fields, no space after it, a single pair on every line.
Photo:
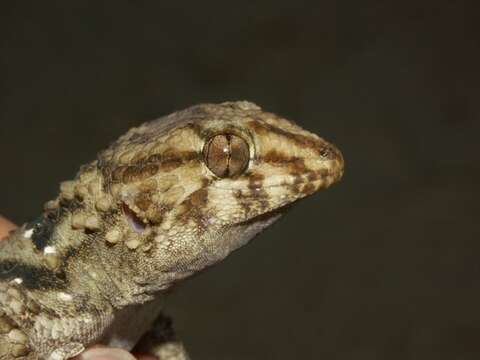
[384,265]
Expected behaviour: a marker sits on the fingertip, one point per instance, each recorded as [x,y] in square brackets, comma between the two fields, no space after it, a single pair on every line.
[5,227]
[106,354]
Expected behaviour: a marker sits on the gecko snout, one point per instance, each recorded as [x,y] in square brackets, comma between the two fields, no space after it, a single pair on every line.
[319,166]
[332,156]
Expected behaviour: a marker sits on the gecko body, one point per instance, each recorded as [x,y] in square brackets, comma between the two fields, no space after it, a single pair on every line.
[166,200]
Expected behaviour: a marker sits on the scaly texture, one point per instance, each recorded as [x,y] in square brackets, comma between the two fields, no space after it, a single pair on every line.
[166,200]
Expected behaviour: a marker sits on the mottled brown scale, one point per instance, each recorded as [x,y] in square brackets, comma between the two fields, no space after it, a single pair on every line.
[139,172]
[143,200]
[243,202]
[155,214]
[255,181]
[155,158]
[313,176]
[149,185]
[274,156]
[172,163]
[294,188]
[5,325]
[172,160]
[166,182]
[199,198]
[262,199]
[308,189]
[117,174]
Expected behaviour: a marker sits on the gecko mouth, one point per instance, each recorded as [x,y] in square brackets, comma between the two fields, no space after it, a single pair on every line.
[270,216]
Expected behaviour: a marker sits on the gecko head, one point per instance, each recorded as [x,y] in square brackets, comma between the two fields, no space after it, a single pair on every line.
[200,183]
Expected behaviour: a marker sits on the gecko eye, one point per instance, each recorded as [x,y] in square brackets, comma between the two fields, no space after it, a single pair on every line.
[226,155]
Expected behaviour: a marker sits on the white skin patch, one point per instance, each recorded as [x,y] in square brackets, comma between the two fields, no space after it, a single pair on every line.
[18,281]
[50,250]
[64,296]
[28,234]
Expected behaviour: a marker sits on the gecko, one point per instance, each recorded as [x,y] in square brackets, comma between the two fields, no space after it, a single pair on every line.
[167,200]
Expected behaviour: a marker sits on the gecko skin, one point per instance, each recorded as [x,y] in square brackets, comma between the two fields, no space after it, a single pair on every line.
[165,201]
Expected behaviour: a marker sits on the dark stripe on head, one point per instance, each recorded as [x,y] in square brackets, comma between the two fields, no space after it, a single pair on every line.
[296,165]
[171,159]
[304,141]
[33,277]
[150,166]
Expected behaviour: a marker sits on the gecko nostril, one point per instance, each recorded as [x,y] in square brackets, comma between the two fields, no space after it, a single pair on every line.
[330,152]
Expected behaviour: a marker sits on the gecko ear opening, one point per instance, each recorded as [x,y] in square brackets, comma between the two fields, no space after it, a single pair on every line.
[136,223]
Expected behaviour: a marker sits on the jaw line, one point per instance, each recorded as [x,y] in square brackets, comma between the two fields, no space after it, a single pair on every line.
[269,217]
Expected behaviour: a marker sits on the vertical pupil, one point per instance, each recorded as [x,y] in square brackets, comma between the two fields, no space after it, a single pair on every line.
[226,149]
[228,153]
